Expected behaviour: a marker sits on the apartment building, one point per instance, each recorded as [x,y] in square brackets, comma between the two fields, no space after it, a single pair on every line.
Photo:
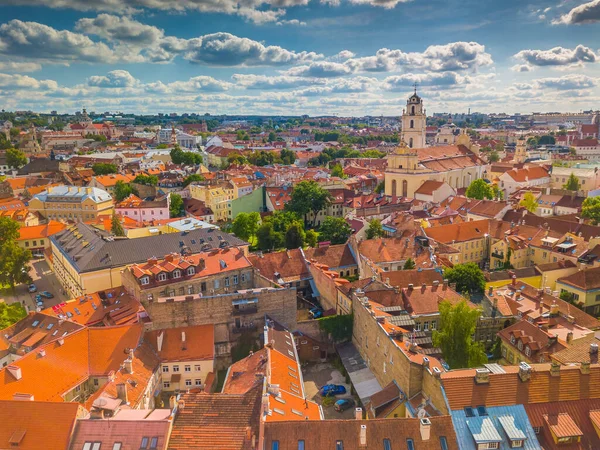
[72,203]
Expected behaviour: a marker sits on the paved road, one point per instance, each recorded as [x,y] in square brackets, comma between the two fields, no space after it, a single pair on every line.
[44,279]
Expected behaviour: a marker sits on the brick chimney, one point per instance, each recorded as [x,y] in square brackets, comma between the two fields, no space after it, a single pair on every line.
[363,436]
[122,392]
[23,397]
[159,340]
[201,264]
[585,368]
[555,369]
[425,428]
[482,376]
[358,415]
[15,371]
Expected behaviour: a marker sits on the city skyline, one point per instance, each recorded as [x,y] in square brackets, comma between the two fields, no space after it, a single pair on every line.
[293,57]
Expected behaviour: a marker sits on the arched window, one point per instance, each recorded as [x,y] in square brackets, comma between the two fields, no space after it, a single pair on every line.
[412,123]
[404,188]
[412,109]
[410,143]
[394,188]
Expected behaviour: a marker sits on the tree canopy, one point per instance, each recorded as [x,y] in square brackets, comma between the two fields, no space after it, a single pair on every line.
[480,189]
[529,202]
[116,227]
[454,335]
[591,209]
[176,206]
[245,225]
[307,197]
[104,169]
[178,156]
[10,314]
[15,158]
[572,183]
[409,264]
[148,180]
[13,258]
[193,178]
[338,171]
[123,190]
[335,229]
[468,277]
[375,229]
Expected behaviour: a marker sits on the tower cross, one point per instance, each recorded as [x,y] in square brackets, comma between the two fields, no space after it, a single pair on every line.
[415,86]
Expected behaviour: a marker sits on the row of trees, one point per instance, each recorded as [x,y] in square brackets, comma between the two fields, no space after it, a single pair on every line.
[178,156]
[263,158]
[13,258]
[480,189]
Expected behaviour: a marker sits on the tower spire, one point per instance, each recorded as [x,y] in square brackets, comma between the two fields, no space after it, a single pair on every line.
[415,86]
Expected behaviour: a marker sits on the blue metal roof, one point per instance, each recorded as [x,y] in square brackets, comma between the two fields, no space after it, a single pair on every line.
[501,424]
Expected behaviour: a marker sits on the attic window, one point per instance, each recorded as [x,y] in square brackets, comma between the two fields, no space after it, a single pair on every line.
[116,446]
[443,443]
[92,446]
[35,323]
[482,411]
[339,445]
[387,445]
[410,444]
[144,443]
[49,327]
[153,443]
[469,412]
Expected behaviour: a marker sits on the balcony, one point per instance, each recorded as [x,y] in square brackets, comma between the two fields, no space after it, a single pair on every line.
[244,328]
[245,311]
[497,255]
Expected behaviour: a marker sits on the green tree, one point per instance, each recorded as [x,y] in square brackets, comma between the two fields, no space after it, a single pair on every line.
[288,157]
[268,238]
[13,258]
[338,171]
[591,209]
[147,180]
[572,183]
[311,238]
[272,136]
[373,154]
[380,188]
[498,194]
[480,189]
[123,190]
[104,168]
[11,314]
[96,137]
[14,133]
[162,146]
[116,227]
[282,220]
[245,225]
[494,157]
[294,236]
[176,206]
[178,156]
[499,147]
[409,264]
[375,229]
[306,197]
[194,178]
[468,277]
[335,229]
[529,202]
[454,335]
[236,158]
[15,158]
[546,140]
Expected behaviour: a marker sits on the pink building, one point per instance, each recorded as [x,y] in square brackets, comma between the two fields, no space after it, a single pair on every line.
[143,210]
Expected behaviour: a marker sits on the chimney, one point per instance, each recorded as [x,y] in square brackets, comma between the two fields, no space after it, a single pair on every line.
[15,371]
[159,340]
[569,337]
[593,348]
[61,342]
[358,414]
[514,280]
[96,414]
[436,283]
[122,392]
[363,436]
[555,369]
[524,371]
[423,287]
[410,286]
[183,341]
[491,291]
[445,284]
[554,309]
[19,396]
[42,353]
[201,265]
[482,376]
[425,428]
[585,368]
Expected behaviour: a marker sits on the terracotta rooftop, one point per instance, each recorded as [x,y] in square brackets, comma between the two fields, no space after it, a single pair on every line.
[246,373]
[40,231]
[288,264]
[333,256]
[586,280]
[190,343]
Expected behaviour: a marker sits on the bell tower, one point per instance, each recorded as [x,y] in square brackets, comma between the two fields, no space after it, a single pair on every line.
[414,122]
[521,150]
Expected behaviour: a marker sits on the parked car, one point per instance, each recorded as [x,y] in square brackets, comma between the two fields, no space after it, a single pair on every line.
[47,294]
[39,298]
[343,404]
[32,288]
[315,312]
[332,390]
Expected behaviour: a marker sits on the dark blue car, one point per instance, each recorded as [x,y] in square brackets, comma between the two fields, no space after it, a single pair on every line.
[332,390]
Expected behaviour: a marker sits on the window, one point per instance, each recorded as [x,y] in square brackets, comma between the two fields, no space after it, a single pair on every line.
[387,444]
[198,382]
[235,279]
[175,368]
[177,273]
[217,284]
[243,277]
[512,340]
[166,385]
[165,369]
[203,287]
[443,443]
[197,368]
[433,325]
[469,412]
[144,443]
[92,446]
[187,368]
[516,444]
[520,345]
[425,326]
[117,446]
[153,442]
[226,281]
[188,382]
[482,411]
[275,445]
[417,326]
[144,280]
[339,445]
[527,351]
[161,276]
[191,270]
[410,444]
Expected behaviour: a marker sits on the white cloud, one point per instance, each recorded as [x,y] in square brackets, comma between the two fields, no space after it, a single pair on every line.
[260,17]
[264,82]
[582,14]
[320,69]
[16,82]
[558,56]
[122,29]
[401,82]
[194,84]
[521,68]
[567,82]
[292,22]
[388,4]
[10,66]
[225,49]
[38,41]
[113,79]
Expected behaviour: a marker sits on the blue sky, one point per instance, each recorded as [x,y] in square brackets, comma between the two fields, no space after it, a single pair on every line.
[290,57]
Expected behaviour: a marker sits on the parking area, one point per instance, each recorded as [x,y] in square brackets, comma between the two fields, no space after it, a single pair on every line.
[44,279]
[317,375]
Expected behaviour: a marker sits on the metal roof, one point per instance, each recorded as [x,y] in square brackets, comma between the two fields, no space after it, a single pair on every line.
[511,429]
[483,429]
[401,320]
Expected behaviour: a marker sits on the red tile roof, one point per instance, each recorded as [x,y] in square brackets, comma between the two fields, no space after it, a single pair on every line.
[183,343]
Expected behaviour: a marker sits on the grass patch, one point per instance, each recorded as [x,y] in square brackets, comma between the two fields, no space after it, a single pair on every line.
[328,401]
[221,374]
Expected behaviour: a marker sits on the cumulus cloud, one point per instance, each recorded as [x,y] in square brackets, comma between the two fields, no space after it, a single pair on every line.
[567,82]
[10,66]
[586,13]
[225,49]
[123,29]
[401,82]
[388,4]
[521,68]
[113,79]
[15,82]
[558,56]
[260,17]
[35,40]
[194,84]
[264,82]
[320,69]
[292,22]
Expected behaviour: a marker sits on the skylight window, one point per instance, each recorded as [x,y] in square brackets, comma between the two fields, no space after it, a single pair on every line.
[35,323]
[469,412]
[482,411]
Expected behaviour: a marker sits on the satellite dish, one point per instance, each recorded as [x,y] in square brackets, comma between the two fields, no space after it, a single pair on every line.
[421,414]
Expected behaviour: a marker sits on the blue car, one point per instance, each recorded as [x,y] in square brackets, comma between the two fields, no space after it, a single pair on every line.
[343,404]
[47,294]
[32,288]
[332,390]
[315,312]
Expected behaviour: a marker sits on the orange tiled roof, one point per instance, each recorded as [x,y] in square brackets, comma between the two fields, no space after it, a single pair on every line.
[40,231]
[183,343]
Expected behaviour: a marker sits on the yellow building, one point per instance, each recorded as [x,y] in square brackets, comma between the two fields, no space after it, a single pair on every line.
[72,203]
[216,197]
[36,239]
[584,286]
